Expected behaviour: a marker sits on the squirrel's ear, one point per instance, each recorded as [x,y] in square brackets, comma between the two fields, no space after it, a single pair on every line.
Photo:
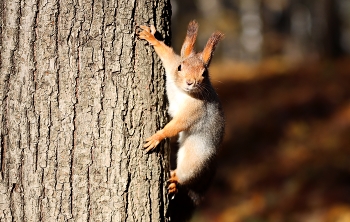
[210,46]
[188,45]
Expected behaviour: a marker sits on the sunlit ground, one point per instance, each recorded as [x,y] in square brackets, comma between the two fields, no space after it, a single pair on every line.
[285,156]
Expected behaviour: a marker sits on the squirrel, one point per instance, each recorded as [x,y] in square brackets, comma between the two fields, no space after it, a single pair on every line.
[197,115]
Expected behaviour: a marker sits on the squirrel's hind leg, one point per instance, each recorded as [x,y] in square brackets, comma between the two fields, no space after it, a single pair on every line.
[191,158]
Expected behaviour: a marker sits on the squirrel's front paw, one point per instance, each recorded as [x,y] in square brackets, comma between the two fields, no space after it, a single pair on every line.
[153,141]
[147,33]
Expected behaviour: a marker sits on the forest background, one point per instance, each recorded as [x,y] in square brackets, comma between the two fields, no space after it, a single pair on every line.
[283,75]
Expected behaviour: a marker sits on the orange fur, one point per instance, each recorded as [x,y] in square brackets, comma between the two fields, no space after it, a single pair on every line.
[178,124]
[164,52]
[194,107]
[173,181]
[188,45]
[210,46]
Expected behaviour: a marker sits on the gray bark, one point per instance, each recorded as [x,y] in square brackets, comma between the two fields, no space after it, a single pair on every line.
[78,95]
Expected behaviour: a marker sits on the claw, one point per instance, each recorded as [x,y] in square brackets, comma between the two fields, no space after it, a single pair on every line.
[146,28]
[153,29]
[150,145]
[171,180]
[173,183]
[147,33]
[172,189]
[152,142]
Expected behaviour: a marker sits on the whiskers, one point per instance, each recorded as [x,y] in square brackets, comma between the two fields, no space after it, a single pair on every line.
[215,81]
[204,91]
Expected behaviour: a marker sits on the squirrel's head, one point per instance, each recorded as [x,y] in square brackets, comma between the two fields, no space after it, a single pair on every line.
[192,74]
[193,69]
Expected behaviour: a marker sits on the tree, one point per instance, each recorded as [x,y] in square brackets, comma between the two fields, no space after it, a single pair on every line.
[78,94]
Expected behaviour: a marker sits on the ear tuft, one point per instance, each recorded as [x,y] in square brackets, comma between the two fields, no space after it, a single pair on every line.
[188,45]
[210,47]
[192,28]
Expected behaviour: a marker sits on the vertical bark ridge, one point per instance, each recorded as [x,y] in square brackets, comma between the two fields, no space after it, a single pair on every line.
[55,118]
[34,77]
[10,170]
[84,114]
[46,107]
[29,125]
[68,99]
[3,85]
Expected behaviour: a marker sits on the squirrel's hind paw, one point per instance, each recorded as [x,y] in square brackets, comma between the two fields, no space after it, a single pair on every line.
[173,183]
[172,188]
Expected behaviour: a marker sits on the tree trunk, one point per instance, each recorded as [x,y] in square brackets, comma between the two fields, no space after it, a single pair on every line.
[79,93]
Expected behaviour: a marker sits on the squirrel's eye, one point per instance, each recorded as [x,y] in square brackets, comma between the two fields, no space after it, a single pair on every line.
[179,68]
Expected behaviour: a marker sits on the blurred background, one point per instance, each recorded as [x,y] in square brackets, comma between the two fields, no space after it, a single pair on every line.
[283,75]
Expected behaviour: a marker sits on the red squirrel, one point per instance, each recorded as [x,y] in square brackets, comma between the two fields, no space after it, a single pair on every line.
[195,109]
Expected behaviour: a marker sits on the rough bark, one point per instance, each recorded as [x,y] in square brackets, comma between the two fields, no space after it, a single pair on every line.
[78,95]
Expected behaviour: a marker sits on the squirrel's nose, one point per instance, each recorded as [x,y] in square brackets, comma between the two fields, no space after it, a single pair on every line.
[189,82]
